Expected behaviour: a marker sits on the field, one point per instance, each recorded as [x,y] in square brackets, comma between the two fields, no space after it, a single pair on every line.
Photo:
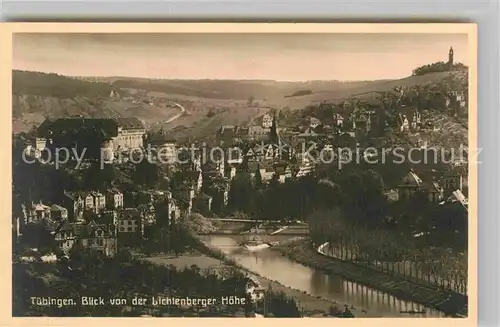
[204,115]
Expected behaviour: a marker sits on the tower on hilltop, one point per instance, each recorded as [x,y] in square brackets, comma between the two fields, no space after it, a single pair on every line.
[450,57]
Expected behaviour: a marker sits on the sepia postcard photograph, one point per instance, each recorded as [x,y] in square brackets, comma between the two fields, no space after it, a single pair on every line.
[242,170]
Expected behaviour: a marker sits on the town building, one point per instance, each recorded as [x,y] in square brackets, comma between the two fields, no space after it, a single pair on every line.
[35,212]
[185,193]
[452,181]
[230,171]
[433,191]
[99,201]
[267,121]
[192,178]
[409,186]
[75,204]
[89,201]
[220,198]
[458,196]
[34,147]
[58,213]
[266,172]
[167,152]
[338,120]
[257,132]
[97,237]
[114,199]
[114,94]
[82,132]
[226,133]
[130,227]
[148,214]
[282,171]
[305,166]
[313,122]
[173,209]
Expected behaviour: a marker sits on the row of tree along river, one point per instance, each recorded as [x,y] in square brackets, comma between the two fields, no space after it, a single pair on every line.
[362,300]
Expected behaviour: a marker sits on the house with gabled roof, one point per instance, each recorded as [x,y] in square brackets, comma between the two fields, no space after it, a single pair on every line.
[89,201]
[433,190]
[99,201]
[75,203]
[114,198]
[282,171]
[35,212]
[410,185]
[192,178]
[458,196]
[97,237]
[452,180]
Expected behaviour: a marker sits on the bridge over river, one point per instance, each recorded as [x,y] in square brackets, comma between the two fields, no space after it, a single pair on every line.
[262,228]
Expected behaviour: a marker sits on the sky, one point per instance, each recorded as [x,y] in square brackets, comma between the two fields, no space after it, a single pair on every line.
[283,57]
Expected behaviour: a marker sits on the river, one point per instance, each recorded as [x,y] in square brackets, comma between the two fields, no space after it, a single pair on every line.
[272,265]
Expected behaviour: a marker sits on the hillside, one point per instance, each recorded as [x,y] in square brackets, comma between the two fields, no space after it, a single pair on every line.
[36,96]
[58,86]
[209,103]
[227,89]
[267,92]
[363,90]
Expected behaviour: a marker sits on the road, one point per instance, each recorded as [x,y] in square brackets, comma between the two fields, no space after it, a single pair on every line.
[171,119]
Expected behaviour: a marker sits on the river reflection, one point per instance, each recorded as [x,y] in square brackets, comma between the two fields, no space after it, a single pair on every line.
[274,266]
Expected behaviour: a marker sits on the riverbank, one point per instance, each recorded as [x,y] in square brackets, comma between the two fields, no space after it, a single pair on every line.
[444,301]
[311,305]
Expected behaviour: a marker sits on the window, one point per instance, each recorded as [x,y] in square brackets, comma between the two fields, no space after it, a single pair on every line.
[129,228]
[122,229]
[135,222]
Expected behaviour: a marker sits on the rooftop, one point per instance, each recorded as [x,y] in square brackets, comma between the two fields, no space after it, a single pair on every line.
[107,127]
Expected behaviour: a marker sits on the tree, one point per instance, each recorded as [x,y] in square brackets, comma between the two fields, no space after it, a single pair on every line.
[241,193]
[363,197]
[99,178]
[146,173]
[258,179]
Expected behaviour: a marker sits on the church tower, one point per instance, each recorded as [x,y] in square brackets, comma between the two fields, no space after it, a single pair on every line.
[274,137]
[450,57]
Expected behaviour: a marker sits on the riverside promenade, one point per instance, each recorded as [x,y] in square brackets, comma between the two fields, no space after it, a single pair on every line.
[450,303]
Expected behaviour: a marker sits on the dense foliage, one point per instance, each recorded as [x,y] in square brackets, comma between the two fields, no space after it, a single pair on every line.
[120,277]
[439,66]
[299,93]
[58,86]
